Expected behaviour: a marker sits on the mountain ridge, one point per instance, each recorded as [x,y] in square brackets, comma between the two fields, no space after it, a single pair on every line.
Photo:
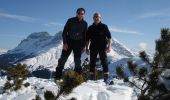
[42,49]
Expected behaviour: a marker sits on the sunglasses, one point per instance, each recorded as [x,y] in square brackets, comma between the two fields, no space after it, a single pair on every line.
[80,13]
[97,17]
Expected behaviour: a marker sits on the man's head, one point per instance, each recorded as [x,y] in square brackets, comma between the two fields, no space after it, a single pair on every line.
[97,18]
[80,13]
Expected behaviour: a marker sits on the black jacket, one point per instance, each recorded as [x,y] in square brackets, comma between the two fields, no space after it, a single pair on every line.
[98,36]
[75,30]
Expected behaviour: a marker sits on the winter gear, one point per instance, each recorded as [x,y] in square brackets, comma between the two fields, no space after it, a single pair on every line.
[74,46]
[75,30]
[106,78]
[103,58]
[98,35]
[74,36]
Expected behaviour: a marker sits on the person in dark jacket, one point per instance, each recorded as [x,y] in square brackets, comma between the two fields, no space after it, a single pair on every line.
[99,37]
[74,34]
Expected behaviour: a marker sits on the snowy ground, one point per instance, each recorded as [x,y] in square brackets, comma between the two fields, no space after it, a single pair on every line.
[98,90]
[90,90]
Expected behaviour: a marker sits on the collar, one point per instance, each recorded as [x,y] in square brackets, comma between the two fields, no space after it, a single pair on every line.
[97,24]
[78,19]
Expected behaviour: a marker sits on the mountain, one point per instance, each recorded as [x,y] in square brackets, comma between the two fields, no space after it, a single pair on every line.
[121,49]
[40,49]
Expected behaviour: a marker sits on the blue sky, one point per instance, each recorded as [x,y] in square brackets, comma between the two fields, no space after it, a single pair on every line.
[135,23]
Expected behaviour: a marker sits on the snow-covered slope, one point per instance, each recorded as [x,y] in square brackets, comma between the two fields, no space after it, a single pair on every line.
[90,90]
[121,49]
[41,49]
[97,90]
[2,51]
[36,50]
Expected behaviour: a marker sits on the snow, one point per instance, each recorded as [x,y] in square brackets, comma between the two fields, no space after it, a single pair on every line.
[166,82]
[37,87]
[45,50]
[123,61]
[2,51]
[98,90]
[38,35]
[90,90]
[41,49]
[121,49]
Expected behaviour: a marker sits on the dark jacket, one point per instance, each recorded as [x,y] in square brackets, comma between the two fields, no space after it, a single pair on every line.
[75,30]
[98,36]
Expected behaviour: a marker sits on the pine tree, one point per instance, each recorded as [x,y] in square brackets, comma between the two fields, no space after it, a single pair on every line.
[17,73]
[152,88]
[162,55]
[48,95]
[71,80]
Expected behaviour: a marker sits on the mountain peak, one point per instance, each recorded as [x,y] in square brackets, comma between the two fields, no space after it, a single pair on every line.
[38,35]
[58,36]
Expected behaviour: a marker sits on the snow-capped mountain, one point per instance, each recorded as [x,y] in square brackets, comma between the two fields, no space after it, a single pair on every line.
[121,49]
[2,51]
[41,49]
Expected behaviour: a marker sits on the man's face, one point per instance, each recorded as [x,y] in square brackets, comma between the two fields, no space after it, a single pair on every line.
[97,18]
[80,14]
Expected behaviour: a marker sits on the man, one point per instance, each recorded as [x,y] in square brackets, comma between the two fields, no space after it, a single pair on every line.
[73,40]
[100,37]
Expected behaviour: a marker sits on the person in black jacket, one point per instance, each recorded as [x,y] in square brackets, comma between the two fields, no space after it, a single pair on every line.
[99,37]
[74,34]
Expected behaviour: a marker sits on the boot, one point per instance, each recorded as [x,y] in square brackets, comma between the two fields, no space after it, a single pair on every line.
[106,79]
